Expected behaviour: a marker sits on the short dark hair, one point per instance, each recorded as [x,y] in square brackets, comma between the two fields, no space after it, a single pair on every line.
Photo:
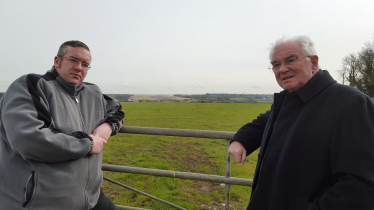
[73,43]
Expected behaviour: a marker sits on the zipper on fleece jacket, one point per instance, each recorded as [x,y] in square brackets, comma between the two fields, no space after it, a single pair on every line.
[88,159]
[80,113]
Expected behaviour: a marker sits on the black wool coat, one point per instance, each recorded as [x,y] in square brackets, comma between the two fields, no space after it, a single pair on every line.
[317,149]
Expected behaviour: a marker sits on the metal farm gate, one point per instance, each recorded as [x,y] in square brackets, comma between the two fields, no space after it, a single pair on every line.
[227,179]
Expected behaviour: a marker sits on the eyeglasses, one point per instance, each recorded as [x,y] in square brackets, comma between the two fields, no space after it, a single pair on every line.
[290,60]
[85,66]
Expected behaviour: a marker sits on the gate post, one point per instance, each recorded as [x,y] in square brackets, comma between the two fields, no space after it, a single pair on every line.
[228,175]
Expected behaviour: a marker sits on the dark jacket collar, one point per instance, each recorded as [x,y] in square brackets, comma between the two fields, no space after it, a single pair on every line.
[316,84]
[69,88]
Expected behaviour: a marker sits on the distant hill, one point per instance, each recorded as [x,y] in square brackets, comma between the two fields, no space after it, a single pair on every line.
[230,98]
[156,98]
[120,97]
[1,95]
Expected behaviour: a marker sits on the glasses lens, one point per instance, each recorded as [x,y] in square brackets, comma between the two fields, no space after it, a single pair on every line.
[75,61]
[290,60]
[276,66]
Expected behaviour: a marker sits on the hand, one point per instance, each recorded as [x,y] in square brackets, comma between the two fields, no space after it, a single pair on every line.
[98,144]
[104,131]
[237,150]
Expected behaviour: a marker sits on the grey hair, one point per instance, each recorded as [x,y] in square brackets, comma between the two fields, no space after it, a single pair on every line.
[307,46]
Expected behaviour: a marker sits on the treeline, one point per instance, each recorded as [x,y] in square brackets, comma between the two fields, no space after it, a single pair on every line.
[358,69]
[120,97]
[227,98]
[253,96]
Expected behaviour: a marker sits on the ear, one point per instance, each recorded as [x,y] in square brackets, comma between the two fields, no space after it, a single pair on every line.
[314,61]
[57,61]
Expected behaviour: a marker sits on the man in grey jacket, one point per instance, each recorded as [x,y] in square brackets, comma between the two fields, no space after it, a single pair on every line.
[53,128]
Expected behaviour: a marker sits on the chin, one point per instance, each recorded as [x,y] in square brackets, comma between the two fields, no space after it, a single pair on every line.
[290,88]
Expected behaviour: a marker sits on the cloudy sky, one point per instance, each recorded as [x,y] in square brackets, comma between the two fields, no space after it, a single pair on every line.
[177,46]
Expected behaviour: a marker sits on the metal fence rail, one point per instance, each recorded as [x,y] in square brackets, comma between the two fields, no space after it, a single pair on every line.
[129,208]
[227,179]
[178,132]
[178,174]
[145,194]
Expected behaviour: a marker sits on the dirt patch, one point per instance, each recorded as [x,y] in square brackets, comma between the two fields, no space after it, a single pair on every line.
[194,158]
[109,192]
[191,155]
[207,186]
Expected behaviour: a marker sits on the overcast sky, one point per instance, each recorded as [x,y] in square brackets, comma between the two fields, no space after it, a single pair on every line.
[178,46]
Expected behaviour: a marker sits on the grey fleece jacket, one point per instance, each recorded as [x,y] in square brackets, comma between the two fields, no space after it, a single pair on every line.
[45,160]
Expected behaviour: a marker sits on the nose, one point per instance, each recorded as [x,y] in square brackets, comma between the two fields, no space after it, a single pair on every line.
[79,66]
[283,68]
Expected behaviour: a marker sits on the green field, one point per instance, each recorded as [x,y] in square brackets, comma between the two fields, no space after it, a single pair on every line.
[262,101]
[179,154]
[239,99]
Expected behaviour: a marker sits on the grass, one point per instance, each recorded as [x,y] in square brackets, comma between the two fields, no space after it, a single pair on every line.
[195,155]
[239,99]
[264,101]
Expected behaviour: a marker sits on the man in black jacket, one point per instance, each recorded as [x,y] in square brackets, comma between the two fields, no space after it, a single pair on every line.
[317,141]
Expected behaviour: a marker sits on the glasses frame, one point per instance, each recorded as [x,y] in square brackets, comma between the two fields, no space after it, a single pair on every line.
[295,57]
[75,60]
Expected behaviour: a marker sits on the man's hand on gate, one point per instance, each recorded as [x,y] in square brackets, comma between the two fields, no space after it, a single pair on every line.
[98,144]
[237,150]
[103,131]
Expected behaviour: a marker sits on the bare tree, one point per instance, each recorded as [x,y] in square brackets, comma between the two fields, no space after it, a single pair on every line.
[358,69]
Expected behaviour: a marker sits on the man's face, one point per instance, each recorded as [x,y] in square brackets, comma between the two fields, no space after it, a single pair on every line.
[297,73]
[69,71]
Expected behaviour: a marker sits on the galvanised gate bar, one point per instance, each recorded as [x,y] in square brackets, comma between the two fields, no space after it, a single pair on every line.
[227,179]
